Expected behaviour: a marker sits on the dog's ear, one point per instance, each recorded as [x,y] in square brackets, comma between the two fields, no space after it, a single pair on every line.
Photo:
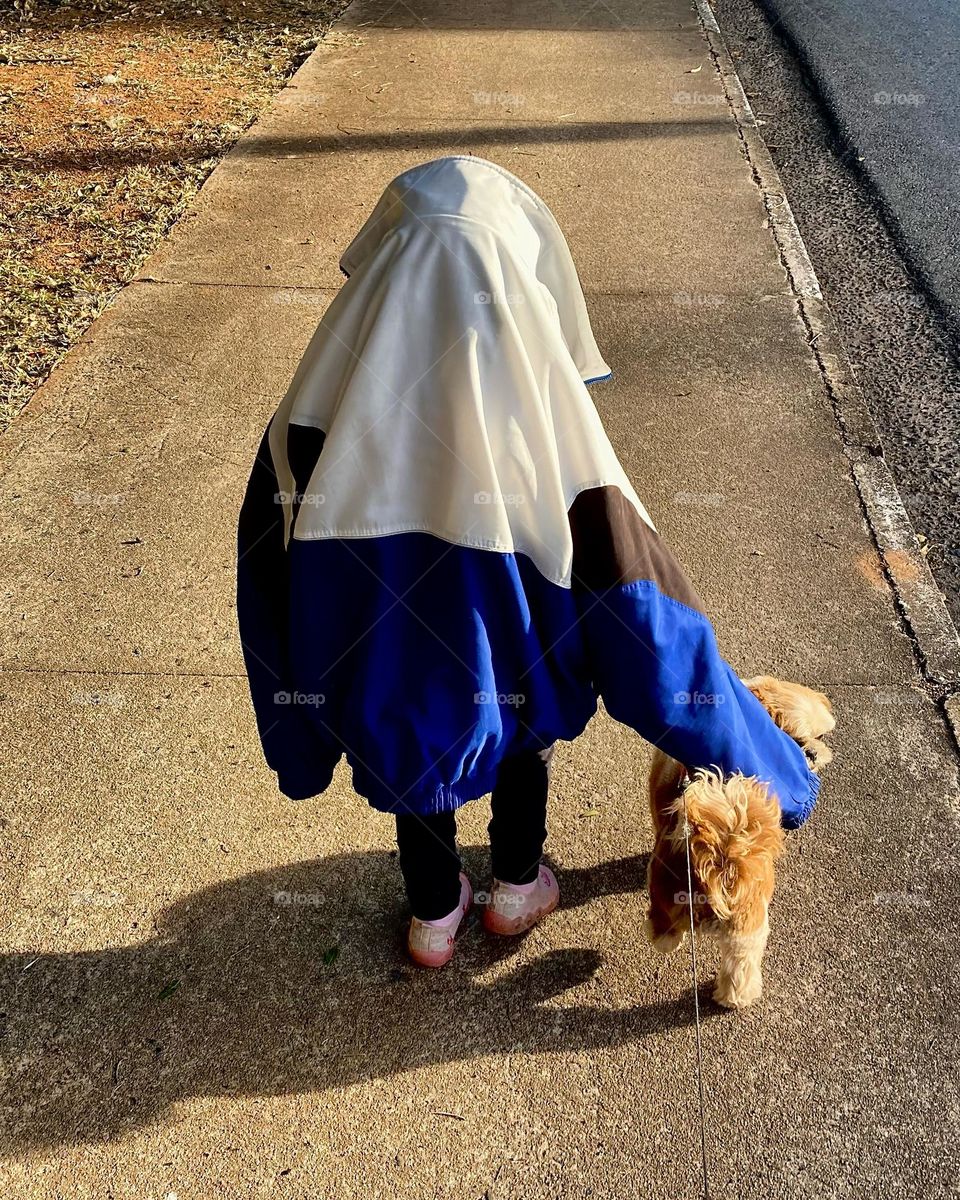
[801,712]
[666,922]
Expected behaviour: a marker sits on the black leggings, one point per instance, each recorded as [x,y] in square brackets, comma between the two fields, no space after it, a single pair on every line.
[429,858]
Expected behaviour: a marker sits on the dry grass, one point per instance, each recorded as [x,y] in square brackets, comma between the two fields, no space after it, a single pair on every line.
[111,117]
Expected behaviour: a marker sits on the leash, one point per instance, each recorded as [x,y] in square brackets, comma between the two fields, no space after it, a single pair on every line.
[696,1001]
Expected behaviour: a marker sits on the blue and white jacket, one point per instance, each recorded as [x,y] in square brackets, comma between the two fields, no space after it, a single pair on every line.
[441,561]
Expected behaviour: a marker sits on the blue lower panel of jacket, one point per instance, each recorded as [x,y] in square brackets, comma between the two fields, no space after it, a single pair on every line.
[428,663]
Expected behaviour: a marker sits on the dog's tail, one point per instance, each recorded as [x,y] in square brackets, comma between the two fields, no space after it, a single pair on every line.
[735,837]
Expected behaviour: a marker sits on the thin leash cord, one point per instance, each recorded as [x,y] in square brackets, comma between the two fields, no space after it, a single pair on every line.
[696,1006]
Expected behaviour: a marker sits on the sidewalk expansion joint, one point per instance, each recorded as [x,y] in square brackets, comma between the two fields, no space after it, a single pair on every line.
[830,685]
[153,281]
[17,669]
[651,294]
[919,604]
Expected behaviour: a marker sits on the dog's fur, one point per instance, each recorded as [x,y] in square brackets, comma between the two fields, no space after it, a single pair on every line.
[735,839]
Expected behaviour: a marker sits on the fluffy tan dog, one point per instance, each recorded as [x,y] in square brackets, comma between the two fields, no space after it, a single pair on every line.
[735,839]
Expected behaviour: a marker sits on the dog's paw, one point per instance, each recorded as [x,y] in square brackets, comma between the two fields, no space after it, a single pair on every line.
[818,752]
[665,943]
[738,992]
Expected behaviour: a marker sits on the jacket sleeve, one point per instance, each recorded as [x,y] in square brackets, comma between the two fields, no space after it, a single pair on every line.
[656,663]
[292,746]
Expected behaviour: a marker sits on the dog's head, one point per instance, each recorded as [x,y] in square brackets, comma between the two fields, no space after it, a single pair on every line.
[736,834]
[735,839]
[801,712]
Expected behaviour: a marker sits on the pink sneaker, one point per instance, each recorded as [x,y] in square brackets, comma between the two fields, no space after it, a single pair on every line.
[516,907]
[430,943]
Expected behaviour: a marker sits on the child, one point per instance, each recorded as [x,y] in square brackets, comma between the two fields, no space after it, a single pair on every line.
[442,564]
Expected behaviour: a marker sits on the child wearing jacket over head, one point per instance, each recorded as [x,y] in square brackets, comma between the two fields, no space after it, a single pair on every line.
[438,540]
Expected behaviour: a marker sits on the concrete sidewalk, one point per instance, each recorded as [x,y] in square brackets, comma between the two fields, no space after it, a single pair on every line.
[204,991]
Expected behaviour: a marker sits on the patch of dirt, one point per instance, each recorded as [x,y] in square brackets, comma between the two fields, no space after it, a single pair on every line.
[111,117]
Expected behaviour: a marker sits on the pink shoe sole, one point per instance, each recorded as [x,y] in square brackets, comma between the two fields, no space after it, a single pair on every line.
[511,913]
[431,943]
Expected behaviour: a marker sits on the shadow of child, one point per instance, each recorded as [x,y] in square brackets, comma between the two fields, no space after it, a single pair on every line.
[285,980]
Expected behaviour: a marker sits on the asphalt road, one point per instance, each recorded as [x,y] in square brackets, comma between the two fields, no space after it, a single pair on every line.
[883,233]
[890,76]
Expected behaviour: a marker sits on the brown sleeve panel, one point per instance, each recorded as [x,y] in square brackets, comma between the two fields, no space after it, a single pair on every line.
[613,545]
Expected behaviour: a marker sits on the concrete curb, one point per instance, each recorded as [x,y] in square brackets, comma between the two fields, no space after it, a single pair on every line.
[951,710]
[919,601]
